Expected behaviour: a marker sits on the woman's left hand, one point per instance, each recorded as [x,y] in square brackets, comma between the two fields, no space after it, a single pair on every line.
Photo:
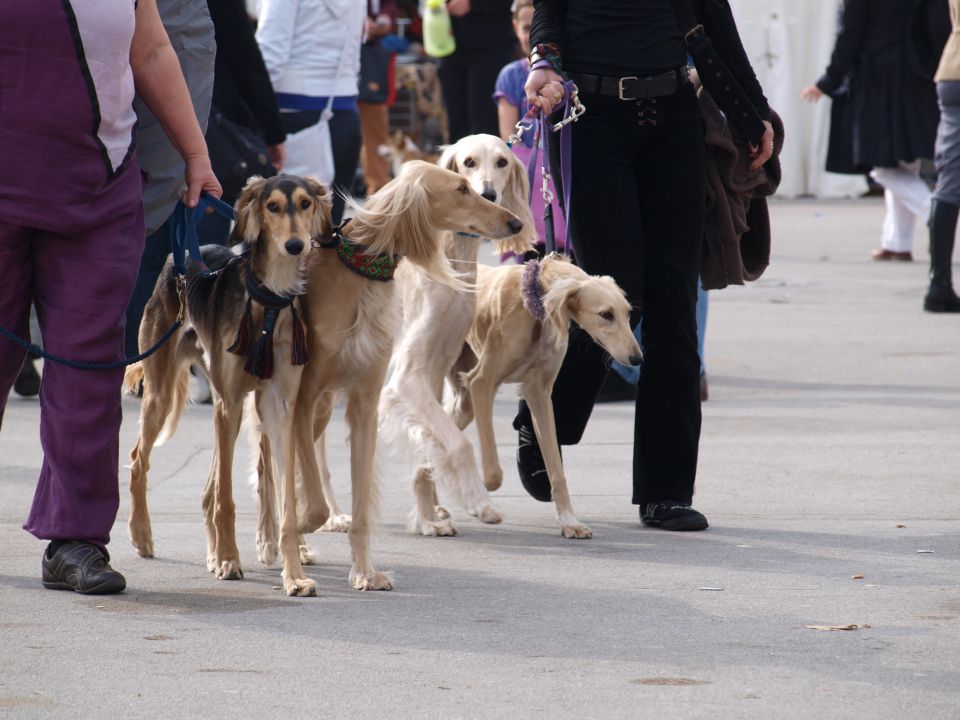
[761,154]
[199,176]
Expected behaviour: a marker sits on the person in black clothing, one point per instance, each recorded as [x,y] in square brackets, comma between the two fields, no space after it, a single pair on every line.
[483,30]
[637,214]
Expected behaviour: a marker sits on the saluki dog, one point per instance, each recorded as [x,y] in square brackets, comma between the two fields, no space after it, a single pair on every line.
[437,318]
[520,335]
[241,322]
[353,314]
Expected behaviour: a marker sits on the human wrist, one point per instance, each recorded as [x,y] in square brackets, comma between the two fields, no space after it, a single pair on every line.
[545,55]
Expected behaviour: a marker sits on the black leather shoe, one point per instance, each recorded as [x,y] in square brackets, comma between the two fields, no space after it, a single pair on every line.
[941,299]
[670,515]
[530,465]
[81,567]
[27,383]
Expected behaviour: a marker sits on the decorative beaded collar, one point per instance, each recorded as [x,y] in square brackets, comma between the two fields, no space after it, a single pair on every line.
[373,267]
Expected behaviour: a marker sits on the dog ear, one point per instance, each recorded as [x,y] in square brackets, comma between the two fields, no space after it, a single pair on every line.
[247,209]
[448,159]
[516,199]
[560,302]
[322,223]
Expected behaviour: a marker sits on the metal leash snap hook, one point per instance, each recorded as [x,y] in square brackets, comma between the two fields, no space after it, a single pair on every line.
[182,297]
[545,187]
[577,109]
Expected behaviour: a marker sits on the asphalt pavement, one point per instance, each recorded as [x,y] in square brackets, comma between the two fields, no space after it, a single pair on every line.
[829,471]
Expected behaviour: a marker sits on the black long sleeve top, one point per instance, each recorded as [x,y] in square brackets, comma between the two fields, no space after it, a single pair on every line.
[638,37]
[241,85]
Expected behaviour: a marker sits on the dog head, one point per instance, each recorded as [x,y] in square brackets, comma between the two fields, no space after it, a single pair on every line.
[282,214]
[497,175]
[599,306]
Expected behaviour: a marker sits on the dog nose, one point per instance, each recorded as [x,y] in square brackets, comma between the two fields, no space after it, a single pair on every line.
[489,194]
[636,359]
[515,225]
[294,247]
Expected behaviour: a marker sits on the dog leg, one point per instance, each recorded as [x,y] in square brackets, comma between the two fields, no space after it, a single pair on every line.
[483,391]
[338,520]
[362,417]
[273,404]
[537,396]
[428,517]
[226,556]
[268,532]
[314,509]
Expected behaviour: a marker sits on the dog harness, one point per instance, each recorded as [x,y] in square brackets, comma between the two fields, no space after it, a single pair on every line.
[259,352]
[373,267]
[531,291]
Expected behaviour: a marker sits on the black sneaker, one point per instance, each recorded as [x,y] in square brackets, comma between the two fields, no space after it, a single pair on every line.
[81,567]
[530,465]
[670,515]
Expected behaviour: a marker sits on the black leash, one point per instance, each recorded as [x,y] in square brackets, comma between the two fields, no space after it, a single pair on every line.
[183,235]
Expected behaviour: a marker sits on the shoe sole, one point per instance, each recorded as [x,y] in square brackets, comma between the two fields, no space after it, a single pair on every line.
[109,587]
[680,526]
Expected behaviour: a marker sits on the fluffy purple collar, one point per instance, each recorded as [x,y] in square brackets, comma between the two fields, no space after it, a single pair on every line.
[531,291]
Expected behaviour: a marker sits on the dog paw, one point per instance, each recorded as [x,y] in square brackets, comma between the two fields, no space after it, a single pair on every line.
[493,480]
[441,528]
[578,531]
[336,523]
[370,581]
[300,587]
[307,556]
[229,570]
[441,513]
[267,551]
[143,544]
[488,514]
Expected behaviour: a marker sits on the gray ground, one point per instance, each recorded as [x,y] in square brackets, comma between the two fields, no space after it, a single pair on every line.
[831,449]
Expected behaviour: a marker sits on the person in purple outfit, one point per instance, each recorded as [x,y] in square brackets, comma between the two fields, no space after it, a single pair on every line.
[511,100]
[71,236]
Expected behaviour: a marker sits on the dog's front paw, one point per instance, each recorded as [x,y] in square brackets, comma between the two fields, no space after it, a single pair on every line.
[488,514]
[441,528]
[307,556]
[142,539]
[441,513]
[300,587]
[576,532]
[370,581]
[337,523]
[229,570]
[493,479]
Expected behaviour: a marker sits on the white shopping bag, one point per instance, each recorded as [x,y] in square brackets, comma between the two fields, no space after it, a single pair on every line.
[310,151]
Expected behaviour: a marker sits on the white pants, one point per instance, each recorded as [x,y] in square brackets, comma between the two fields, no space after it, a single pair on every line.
[907,198]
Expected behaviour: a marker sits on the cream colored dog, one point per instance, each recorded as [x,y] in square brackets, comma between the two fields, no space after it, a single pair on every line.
[520,335]
[437,318]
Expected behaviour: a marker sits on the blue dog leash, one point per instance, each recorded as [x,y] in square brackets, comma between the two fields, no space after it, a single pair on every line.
[183,235]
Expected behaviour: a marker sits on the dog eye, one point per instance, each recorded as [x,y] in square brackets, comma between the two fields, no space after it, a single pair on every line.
[607,315]
[469,162]
[502,162]
[304,204]
[463,189]
[273,207]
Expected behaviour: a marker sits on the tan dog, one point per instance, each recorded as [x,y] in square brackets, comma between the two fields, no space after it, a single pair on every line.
[352,322]
[507,343]
[278,218]
[437,319]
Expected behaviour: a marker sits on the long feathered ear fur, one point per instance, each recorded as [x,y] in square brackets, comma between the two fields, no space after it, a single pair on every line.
[516,199]
[558,303]
[322,223]
[247,209]
[448,159]
[399,219]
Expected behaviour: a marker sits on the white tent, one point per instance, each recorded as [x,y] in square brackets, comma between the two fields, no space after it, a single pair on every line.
[789,45]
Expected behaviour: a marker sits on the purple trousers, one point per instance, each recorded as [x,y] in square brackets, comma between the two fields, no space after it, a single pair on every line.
[80,279]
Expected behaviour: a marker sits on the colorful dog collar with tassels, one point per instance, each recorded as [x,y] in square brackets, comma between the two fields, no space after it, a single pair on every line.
[355,256]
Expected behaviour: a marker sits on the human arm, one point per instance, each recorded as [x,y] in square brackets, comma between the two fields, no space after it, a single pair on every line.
[239,55]
[544,86]
[275,30]
[846,49]
[160,84]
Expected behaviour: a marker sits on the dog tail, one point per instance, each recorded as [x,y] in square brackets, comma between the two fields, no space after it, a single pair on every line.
[180,392]
[133,379]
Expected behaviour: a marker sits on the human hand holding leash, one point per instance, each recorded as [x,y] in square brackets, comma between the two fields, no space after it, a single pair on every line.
[199,178]
[544,88]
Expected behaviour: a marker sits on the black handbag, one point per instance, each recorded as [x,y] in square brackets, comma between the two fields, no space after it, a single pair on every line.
[236,153]
[715,77]
[374,74]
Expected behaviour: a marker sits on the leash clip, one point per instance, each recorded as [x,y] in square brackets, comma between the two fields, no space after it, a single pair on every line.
[520,128]
[545,187]
[577,109]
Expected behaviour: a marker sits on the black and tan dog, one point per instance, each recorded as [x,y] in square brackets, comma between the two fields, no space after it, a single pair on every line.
[242,323]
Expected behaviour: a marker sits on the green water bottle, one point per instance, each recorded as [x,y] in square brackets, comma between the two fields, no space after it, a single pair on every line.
[438,39]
